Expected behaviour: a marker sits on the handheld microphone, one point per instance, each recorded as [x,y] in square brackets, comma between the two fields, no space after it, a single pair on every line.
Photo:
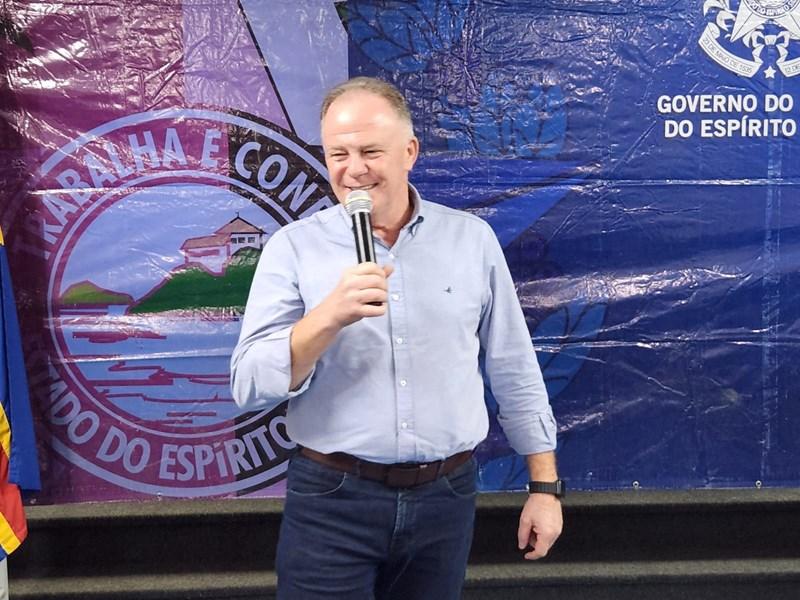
[358,205]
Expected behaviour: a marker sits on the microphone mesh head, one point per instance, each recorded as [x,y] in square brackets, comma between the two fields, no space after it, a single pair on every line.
[358,201]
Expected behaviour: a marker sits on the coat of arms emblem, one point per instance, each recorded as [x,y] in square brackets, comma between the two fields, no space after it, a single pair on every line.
[765,28]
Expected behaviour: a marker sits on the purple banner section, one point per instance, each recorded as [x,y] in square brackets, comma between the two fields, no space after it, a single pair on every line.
[222,67]
[147,161]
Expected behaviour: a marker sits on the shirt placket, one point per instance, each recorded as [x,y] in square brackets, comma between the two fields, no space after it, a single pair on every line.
[403,378]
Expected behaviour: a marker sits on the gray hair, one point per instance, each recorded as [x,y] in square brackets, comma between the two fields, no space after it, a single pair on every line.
[370,85]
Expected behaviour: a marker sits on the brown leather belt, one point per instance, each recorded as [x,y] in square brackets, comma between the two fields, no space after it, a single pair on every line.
[399,475]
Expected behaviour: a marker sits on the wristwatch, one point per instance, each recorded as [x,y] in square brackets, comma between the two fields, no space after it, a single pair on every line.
[557,488]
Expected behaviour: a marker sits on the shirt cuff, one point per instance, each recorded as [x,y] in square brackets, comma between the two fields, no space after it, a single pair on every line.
[303,386]
[538,434]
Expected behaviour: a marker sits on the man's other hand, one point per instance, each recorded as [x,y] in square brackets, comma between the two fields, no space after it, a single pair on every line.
[539,525]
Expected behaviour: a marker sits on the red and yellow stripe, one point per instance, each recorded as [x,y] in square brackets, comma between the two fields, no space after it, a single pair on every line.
[13,527]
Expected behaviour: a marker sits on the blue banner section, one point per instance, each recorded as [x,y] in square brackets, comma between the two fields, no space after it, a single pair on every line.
[638,162]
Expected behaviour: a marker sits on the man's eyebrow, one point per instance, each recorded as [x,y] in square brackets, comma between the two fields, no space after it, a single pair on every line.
[365,148]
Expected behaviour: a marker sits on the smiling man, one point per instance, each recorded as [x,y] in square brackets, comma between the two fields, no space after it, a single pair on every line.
[381,364]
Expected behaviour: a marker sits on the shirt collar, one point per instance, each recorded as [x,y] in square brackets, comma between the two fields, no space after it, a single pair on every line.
[417,216]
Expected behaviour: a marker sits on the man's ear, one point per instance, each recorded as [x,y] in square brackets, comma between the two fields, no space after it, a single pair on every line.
[412,153]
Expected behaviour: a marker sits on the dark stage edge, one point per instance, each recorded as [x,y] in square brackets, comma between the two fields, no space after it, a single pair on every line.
[698,544]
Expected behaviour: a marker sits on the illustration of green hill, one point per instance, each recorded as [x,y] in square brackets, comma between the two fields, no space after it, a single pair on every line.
[193,288]
[87,293]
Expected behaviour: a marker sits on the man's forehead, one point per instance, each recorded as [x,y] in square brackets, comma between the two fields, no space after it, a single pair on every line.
[360,108]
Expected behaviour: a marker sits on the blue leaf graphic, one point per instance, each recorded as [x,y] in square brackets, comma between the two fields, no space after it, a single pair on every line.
[571,327]
[514,214]
[450,21]
[404,37]
[487,135]
[401,61]
[396,26]
[487,181]
[554,129]
[552,328]
[508,121]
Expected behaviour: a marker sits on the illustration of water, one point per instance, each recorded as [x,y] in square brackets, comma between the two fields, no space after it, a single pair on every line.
[156,371]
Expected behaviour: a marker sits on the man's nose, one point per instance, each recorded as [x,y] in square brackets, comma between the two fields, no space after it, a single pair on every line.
[356,166]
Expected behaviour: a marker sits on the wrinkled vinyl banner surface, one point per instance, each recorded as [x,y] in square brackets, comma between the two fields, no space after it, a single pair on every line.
[638,161]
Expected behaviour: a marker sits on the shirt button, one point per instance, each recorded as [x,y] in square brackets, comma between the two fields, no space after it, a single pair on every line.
[403,383]
[391,255]
[395,296]
[399,340]
[404,425]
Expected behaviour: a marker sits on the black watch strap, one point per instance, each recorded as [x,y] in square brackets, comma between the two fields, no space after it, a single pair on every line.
[556,488]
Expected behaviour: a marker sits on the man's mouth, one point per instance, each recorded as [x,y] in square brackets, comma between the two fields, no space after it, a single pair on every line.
[361,188]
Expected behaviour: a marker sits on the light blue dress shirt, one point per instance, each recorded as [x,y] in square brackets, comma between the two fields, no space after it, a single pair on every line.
[406,386]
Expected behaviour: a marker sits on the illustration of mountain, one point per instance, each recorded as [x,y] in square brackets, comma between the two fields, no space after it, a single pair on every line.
[193,287]
[87,294]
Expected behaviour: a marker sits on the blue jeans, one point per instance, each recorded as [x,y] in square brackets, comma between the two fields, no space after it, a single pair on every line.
[355,539]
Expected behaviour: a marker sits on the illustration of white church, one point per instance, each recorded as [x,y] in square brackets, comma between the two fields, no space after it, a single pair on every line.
[213,252]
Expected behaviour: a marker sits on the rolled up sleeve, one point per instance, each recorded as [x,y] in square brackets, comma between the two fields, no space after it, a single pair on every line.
[261,364]
[510,363]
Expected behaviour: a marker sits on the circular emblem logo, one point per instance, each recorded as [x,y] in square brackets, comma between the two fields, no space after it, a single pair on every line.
[737,39]
[771,8]
[155,224]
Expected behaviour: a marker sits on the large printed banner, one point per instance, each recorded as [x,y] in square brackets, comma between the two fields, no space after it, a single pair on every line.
[638,162]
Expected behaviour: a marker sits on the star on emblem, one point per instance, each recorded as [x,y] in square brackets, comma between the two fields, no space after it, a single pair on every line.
[753,13]
[769,72]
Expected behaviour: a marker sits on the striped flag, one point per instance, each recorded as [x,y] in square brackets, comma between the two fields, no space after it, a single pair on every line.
[19,469]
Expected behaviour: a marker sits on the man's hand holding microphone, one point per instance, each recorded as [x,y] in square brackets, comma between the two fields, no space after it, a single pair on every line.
[361,292]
